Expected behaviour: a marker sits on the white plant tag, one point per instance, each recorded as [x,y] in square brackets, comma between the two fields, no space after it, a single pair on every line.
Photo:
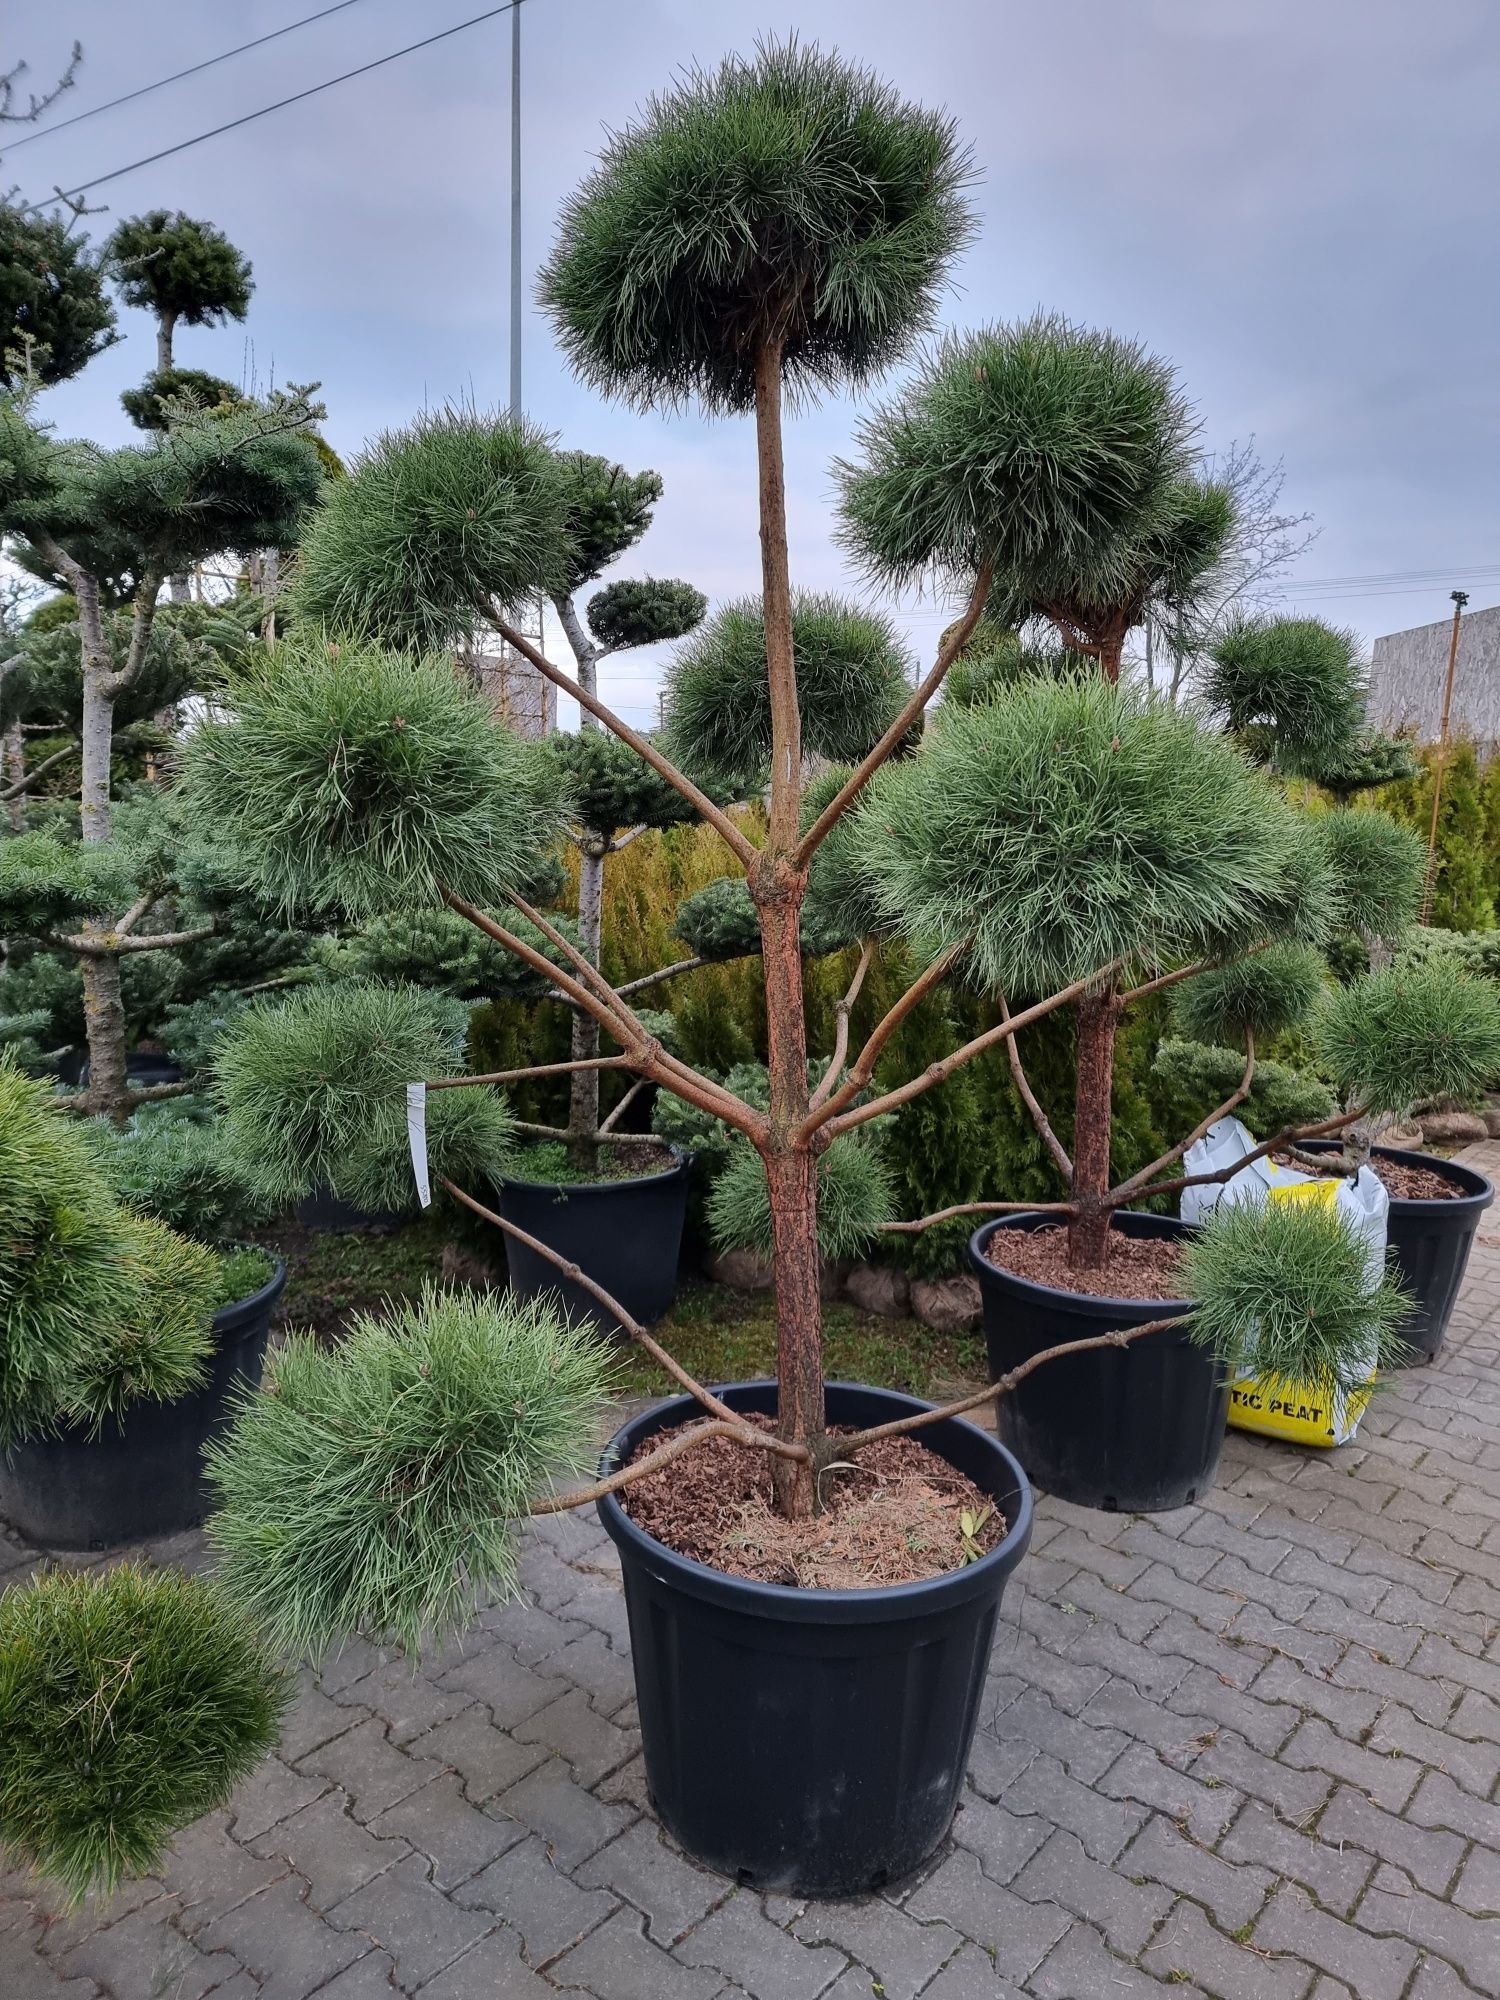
[416,1137]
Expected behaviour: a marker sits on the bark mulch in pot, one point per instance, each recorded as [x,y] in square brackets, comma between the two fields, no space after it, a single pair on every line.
[1401,1180]
[891,1516]
[1139,1267]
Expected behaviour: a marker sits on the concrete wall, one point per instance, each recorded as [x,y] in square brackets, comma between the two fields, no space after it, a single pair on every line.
[1408,669]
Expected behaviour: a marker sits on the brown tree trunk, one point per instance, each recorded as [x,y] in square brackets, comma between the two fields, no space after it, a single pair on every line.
[103,1007]
[1111,649]
[583,1101]
[792,1185]
[1097,1016]
[778,889]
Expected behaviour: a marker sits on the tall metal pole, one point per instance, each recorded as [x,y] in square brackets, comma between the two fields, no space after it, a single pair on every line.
[1460,599]
[515,210]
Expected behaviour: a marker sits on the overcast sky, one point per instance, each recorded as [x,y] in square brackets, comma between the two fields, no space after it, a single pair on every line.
[1295,200]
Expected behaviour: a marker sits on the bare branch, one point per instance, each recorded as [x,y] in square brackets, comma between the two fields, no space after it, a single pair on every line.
[536,1069]
[902,1426]
[642,1468]
[938,1072]
[607,1129]
[655,978]
[841,1031]
[869,1055]
[624,839]
[577,1276]
[37,772]
[1283,1140]
[977,1208]
[110,944]
[733,836]
[861,775]
[1028,1097]
[142,906]
[143,617]
[1127,1190]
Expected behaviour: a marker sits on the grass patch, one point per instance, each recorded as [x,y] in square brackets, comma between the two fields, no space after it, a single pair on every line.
[721,1335]
[242,1272]
[332,1275]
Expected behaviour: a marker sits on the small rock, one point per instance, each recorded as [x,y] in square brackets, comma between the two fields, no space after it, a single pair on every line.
[1492,1120]
[1453,1128]
[876,1288]
[742,1269]
[947,1305]
[461,1266]
[1408,1136]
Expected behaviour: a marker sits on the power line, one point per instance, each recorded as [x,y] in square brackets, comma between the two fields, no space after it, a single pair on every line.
[100,180]
[50,131]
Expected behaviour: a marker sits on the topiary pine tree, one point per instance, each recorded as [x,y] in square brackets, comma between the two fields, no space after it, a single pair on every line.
[218,481]
[1054,839]
[183,271]
[54,315]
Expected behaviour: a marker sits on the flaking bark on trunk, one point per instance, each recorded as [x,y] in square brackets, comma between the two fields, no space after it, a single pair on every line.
[1097,1016]
[778,890]
[103,1005]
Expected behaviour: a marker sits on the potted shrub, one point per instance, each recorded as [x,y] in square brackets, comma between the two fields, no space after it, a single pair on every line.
[1293,690]
[124,1341]
[847,1633]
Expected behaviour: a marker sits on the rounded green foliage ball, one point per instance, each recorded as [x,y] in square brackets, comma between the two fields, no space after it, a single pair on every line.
[351,781]
[61,1276]
[644,611]
[1064,825]
[1377,868]
[855,1197]
[156,1341]
[719,922]
[442,950]
[853,678]
[1417,1031]
[131,1702]
[608,786]
[1284,1290]
[314,1094]
[1293,688]
[50,884]
[1190,1078]
[1261,994]
[843,901]
[434,525]
[373,1487]
[788,198]
[1049,451]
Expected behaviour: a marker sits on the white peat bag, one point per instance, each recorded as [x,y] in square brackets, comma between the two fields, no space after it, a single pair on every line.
[1298,1413]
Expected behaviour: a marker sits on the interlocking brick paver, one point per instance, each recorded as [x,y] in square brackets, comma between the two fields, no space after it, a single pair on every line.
[454,1837]
[571,1821]
[643,1867]
[410,1917]
[1234,1891]
[1336,1875]
[488,1759]
[331,1852]
[371,1770]
[1126,1908]
[537,1899]
[1249,1750]
[1018,1934]
[619,1962]
[1394,1907]
[1428,1855]
[898,1953]
[1377,1967]
[970,1975]
[741,1941]
[1189,1945]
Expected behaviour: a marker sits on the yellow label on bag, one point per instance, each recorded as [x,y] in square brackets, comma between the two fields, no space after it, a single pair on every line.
[1294,1411]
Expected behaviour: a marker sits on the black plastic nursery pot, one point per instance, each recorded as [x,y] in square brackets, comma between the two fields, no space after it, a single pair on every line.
[143,1070]
[323,1209]
[1432,1241]
[812,1742]
[625,1234]
[143,1474]
[1132,1429]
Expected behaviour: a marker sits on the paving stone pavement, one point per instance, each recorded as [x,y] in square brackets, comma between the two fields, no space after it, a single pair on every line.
[1249,1750]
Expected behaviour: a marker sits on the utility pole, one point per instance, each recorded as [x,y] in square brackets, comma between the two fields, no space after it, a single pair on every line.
[1460,599]
[515,211]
